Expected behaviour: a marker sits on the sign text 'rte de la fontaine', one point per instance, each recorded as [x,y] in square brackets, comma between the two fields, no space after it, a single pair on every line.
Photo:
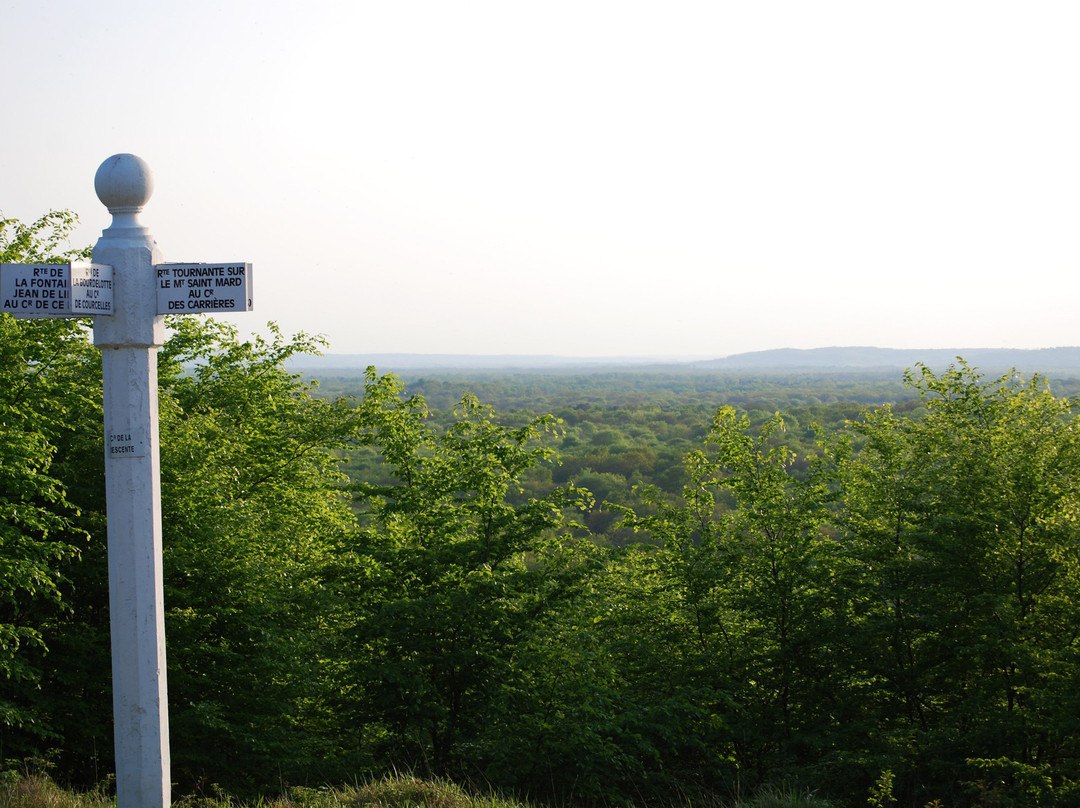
[77,289]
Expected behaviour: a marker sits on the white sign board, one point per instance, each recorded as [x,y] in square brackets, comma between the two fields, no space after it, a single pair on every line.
[56,290]
[91,289]
[203,288]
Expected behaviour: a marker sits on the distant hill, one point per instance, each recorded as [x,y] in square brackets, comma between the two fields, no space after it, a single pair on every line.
[448,362]
[1041,360]
[838,359]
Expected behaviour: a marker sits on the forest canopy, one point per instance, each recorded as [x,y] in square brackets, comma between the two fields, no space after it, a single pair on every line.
[631,594]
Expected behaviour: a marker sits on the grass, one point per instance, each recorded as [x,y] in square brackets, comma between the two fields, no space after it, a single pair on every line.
[393,791]
[786,796]
[38,791]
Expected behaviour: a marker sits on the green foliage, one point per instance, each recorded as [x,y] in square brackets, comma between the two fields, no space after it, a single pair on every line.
[879,602]
[786,796]
[390,791]
[405,791]
[38,791]
[445,574]
[902,602]
[253,500]
[881,793]
[737,591]
[40,242]
[44,404]
[963,528]
[36,529]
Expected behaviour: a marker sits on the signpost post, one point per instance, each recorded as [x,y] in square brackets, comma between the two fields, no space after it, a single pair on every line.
[124,290]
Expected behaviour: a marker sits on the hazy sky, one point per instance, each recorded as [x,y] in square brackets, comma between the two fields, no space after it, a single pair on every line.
[579,178]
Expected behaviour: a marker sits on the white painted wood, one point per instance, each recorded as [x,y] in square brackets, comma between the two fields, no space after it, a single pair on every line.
[129,341]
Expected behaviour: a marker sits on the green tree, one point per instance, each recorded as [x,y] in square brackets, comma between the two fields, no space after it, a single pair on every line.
[601,706]
[445,576]
[44,241]
[780,561]
[46,399]
[253,501]
[253,498]
[963,525]
[749,560]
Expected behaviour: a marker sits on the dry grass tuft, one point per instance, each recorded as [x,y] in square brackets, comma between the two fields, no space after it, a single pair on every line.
[38,791]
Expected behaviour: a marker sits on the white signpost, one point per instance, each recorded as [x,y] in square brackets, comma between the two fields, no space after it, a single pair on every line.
[127,289]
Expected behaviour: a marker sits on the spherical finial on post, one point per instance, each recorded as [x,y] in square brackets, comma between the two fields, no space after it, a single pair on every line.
[124,184]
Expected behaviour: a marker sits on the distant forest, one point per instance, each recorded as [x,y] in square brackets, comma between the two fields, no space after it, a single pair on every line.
[622,429]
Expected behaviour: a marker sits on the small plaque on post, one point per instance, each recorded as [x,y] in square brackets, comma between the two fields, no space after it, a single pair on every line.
[123,444]
[203,288]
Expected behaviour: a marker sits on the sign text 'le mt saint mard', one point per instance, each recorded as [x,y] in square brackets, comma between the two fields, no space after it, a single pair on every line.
[203,288]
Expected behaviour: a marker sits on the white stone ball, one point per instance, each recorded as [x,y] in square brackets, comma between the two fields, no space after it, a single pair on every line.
[124,183]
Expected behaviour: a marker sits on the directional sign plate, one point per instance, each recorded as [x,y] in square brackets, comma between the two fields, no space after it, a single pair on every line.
[203,288]
[45,290]
[91,289]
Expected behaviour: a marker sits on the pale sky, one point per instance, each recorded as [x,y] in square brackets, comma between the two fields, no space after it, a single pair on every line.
[579,178]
